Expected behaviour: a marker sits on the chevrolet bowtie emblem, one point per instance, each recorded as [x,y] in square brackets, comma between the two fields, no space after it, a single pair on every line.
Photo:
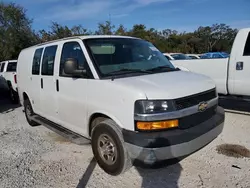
[202,106]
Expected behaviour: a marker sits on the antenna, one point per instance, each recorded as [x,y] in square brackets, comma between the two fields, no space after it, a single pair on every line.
[111,56]
[109,17]
[110,22]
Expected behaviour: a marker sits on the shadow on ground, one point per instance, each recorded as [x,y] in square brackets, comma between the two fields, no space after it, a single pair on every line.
[5,104]
[87,174]
[159,174]
[162,174]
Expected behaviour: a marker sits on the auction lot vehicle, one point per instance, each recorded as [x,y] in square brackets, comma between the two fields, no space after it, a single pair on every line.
[8,79]
[176,56]
[214,55]
[194,56]
[232,74]
[123,95]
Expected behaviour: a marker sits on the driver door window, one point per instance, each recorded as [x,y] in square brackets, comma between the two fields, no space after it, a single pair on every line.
[72,50]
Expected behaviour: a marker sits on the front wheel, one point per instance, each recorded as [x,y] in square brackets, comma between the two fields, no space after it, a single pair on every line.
[109,148]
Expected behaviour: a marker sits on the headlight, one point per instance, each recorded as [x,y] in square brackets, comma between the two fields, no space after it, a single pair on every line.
[153,106]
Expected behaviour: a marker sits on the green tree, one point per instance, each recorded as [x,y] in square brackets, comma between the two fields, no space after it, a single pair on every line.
[58,31]
[15,31]
[121,30]
[79,30]
[105,28]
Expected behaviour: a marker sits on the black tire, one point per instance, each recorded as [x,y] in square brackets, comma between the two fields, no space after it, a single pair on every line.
[123,161]
[29,113]
[14,96]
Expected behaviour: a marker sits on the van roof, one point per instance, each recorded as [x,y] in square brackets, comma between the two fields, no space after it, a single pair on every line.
[83,37]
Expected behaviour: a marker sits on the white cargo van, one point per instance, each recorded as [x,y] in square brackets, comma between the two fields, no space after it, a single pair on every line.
[123,95]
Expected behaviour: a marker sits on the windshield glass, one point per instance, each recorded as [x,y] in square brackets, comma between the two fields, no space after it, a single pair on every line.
[118,55]
[180,56]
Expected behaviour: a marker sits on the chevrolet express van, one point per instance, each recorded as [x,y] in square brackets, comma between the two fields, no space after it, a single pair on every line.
[123,95]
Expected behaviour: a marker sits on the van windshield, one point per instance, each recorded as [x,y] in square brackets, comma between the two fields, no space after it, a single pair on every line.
[126,56]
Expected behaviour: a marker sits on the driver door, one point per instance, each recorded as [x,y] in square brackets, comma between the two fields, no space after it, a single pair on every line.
[72,92]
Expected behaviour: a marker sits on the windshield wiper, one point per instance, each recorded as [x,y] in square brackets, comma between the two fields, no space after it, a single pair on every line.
[165,67]
[126,71]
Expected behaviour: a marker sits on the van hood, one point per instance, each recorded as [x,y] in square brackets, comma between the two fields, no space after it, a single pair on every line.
[169,85]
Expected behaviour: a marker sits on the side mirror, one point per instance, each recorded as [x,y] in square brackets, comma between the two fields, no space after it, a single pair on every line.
[71,68]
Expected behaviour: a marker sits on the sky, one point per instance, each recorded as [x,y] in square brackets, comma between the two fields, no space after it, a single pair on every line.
[182,15]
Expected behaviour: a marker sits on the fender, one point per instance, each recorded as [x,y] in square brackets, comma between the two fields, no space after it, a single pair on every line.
[106,114]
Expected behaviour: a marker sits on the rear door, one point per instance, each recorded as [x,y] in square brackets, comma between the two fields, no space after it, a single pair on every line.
[239,74]
[48,84]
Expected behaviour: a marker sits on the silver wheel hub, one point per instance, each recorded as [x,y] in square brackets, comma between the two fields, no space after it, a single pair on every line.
[107,149]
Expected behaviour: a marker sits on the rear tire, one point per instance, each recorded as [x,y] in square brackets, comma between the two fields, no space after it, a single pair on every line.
[29,113]
[109,148]
[14,96]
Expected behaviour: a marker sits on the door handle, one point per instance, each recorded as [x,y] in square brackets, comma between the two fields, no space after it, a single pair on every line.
[239,65]
[41,83]
[57,85]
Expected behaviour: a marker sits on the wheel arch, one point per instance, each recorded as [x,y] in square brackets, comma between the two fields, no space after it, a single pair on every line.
[25,96]
[98,117]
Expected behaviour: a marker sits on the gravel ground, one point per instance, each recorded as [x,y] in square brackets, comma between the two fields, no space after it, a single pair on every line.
[37,157]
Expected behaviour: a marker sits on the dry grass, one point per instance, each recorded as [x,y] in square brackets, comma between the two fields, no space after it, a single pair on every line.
[233,150]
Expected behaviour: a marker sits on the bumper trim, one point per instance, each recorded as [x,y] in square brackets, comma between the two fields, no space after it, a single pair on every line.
[176,136]
[151,155]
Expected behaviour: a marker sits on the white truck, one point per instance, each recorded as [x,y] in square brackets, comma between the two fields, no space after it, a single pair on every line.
[232,74]
[8,80]
[122,94]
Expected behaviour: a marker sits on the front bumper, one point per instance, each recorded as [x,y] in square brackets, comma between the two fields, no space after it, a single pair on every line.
[157,146]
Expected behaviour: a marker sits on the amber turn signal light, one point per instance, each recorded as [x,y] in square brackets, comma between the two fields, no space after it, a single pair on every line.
[147,126]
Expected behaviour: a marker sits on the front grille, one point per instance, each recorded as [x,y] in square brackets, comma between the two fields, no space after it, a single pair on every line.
[193,100]
[196,119]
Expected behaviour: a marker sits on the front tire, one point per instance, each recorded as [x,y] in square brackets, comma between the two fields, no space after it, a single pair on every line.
[109,149]
[29,113]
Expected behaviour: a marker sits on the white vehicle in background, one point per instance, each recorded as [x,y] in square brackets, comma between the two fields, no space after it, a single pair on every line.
[231,75]
[176,56]
[8,80]
[123,95]
[193,56]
